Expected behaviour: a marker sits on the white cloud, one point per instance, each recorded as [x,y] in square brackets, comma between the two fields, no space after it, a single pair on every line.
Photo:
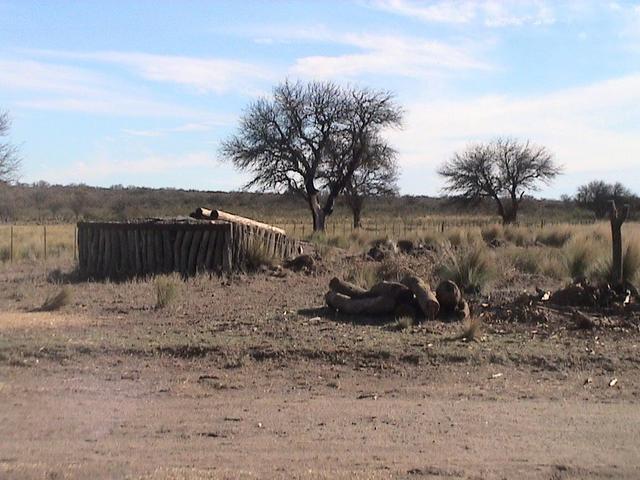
[50,86]
[491,13]
[103,166]
[205,75]
[442,12]
[184,128]
[387,55]
[590,128]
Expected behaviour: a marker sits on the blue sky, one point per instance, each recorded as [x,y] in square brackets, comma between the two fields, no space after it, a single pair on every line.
[142,92]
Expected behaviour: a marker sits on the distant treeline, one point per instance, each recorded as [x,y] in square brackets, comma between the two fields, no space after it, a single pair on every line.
[42,202]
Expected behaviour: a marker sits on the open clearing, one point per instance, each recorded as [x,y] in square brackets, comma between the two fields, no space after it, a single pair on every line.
[251,377]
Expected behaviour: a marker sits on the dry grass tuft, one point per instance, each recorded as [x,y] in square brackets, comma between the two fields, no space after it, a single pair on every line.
[167,288]
[390,270]
[521,236]
[364,276]
[471,268]
[556,236]
[471,331]
[493,232]
[630,265]
[57,301]
[402,323]
[257,256]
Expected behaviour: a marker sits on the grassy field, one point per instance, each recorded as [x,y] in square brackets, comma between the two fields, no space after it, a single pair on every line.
[477,253]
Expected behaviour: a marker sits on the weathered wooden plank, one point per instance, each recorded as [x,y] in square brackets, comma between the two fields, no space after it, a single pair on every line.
[177,250]
[202,251]
[211,250]
[193,252]
[227,253]
[184,252]
[167,249]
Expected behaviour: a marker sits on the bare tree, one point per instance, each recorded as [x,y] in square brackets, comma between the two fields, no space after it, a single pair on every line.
[597,195]
[503,170]
[310,138]
[376,176]
[9,160]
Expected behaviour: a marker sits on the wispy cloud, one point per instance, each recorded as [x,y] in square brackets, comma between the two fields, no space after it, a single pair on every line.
[184,128]
[204,75]
[103,166]
[388,55]
[491,13]
[589,128]
[50,86]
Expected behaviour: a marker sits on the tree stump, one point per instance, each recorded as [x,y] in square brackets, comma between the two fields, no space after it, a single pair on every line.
[617,219]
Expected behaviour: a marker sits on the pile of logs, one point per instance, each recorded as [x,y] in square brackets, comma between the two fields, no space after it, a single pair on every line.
[411,294]
[221,242]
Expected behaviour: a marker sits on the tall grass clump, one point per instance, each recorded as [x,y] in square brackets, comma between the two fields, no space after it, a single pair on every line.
[364,276]
[257,255]
[167,289]
[527,260]
[630,266]
[521,236]
[57,301]
[556,236]
[471,268]
[492,233]
[580,257]
[390,270]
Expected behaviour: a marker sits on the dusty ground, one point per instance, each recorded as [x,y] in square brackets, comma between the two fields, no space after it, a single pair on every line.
[252,378]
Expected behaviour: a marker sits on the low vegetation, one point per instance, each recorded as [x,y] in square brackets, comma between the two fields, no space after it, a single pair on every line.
[167,289]
[56,301]
[471,267]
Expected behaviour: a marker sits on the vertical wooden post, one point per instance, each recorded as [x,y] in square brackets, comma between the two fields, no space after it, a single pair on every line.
[617,219]
[11,246]
[45,241]
[75,243]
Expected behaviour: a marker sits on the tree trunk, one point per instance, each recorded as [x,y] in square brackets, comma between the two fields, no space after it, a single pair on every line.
[317,212]
[357,218]
[617,219]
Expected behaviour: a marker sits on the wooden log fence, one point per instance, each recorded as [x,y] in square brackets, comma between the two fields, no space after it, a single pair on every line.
[117,250]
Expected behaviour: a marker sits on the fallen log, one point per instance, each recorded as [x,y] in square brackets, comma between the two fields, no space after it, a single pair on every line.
[424,295]
[396,290]
[360,306]
[449,296]
[347,288]
[202,213]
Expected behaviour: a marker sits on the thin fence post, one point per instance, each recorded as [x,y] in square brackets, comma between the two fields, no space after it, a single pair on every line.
[45,241]
[11,246]
[75,242]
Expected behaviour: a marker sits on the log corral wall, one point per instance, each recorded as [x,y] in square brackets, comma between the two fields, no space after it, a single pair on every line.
[120,250]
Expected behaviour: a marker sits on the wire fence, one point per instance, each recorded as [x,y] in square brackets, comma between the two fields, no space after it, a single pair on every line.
[42,242]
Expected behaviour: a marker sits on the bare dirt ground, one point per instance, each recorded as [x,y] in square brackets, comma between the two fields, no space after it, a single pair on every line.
[252,378]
